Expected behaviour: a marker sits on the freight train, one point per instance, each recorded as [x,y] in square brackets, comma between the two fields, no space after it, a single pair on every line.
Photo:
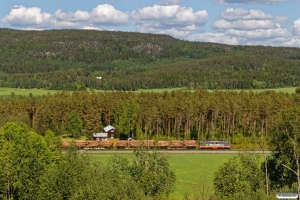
[151,144]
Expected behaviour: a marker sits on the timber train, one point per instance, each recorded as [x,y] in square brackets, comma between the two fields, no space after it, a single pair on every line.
[160,144]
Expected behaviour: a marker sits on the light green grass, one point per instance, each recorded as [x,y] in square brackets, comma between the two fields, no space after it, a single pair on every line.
[193,171]
[5,92]
[289,90]
[25,92]
[159,90]
[67,138]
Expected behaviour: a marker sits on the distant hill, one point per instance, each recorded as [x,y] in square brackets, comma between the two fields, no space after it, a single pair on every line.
[80,59]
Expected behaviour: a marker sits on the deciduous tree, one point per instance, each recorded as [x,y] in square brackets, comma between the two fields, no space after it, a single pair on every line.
[240,178]
[24,156]
[285,142]
[74,124]
[152,173]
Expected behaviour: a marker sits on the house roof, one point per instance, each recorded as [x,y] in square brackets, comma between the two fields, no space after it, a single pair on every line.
[108,128]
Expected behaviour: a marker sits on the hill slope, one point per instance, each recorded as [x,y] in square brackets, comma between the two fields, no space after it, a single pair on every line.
[76,59]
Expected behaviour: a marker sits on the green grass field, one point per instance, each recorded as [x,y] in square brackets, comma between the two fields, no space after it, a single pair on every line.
[289,90]
[5,92]
[194,172]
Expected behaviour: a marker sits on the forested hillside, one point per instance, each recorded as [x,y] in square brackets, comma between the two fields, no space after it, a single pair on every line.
[76,59]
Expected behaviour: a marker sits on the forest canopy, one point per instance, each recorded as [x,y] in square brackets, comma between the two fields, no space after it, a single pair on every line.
[110,60]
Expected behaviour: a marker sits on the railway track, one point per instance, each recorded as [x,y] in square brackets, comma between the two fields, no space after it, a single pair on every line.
[95,152]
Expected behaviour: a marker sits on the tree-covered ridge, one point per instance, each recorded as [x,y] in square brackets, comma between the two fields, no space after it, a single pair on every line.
[73,59]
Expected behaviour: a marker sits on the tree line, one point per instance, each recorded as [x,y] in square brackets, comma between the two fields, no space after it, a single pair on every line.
[75,59]
[179,114]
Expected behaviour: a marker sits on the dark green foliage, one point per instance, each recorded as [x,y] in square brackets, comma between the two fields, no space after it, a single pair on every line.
[126,117]
[74,126]
[236,116]
[73,59]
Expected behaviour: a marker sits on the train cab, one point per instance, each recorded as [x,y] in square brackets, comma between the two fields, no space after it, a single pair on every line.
[214,145]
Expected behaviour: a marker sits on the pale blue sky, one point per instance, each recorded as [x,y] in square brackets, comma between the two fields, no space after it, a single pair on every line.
[245,22]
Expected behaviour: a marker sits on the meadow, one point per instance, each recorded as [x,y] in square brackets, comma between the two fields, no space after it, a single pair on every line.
[5,92]
[194,172]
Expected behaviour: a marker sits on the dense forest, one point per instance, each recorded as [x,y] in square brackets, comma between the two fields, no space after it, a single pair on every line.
[241,117]
[109,60]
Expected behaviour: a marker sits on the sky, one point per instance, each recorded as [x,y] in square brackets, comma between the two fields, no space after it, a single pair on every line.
[235,22]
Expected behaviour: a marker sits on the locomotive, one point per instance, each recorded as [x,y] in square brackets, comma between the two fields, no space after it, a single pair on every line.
[160,144]
[214,145]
